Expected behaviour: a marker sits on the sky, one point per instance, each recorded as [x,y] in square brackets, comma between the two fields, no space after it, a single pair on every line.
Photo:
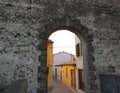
[64,40]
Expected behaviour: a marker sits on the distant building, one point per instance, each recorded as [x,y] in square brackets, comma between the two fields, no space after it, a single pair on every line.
[50,62]
[60,58]
[63,57]
[66,73]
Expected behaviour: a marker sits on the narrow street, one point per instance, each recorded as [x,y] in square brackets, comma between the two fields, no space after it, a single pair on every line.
[59,87]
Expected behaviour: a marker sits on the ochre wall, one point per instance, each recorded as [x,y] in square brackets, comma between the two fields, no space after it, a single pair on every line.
[50,63]
[67,79]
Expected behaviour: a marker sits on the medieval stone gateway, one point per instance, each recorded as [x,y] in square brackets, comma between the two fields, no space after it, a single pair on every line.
[25,26]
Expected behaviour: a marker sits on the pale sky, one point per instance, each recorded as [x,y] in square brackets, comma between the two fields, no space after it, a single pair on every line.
[64,40]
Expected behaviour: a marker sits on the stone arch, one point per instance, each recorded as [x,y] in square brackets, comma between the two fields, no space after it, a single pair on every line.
[82,32]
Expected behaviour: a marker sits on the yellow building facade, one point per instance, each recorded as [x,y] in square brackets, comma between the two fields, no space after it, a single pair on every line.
[49,62]
[68,74]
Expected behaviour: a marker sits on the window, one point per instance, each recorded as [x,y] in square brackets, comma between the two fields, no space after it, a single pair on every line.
[80,45]
[79,49]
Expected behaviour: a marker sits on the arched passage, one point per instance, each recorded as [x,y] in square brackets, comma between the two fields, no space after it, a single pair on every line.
[88,59]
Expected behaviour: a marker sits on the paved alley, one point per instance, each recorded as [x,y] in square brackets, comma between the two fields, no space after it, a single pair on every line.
[59,87]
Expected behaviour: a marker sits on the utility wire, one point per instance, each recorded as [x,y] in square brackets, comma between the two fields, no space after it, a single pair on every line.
[64,47]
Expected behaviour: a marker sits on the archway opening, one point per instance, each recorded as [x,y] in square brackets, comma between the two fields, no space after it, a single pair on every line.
[86,38]
[69,71]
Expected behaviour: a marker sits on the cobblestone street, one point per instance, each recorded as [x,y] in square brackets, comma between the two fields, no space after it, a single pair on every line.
[59,87]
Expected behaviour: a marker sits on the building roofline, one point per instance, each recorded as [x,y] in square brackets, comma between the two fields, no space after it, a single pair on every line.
[67,63]
[64,52]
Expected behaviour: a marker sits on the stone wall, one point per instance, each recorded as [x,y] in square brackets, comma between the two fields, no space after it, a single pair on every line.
[18,41]
[19,86]
[25,26]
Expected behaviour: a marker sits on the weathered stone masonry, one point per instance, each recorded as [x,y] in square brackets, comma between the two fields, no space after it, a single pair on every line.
[25,26]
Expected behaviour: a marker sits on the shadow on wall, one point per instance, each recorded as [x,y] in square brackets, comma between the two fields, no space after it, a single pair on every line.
[19,86]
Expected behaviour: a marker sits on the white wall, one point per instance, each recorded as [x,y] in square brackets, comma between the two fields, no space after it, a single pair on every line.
[79,65]
[62,57]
